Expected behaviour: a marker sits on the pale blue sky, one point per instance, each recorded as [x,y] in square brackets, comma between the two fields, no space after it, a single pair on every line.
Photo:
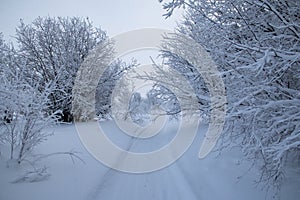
[114,16]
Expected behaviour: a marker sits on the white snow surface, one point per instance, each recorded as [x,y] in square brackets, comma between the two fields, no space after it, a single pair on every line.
[215,177]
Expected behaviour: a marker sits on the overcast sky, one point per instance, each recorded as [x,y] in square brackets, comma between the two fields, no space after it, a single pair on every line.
[114,16]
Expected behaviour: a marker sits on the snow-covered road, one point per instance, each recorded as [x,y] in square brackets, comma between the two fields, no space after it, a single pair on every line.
[213,178]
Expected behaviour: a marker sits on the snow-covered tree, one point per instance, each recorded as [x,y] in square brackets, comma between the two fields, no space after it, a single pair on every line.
[165,98]
[139,109]
[173,82]
[106,85]
[255,44]
[54,49]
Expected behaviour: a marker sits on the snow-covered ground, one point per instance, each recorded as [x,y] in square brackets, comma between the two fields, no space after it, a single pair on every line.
[213,178]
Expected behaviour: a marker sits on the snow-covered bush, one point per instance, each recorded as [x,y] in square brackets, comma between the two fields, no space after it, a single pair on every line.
[24,107]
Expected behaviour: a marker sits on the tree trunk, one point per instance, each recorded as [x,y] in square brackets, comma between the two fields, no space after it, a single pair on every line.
[21,153]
